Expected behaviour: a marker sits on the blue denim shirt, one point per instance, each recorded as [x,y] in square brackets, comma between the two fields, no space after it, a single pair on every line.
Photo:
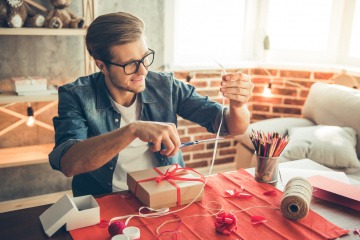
[85,110]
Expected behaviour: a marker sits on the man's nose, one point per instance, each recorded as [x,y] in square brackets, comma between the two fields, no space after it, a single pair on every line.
[142,69]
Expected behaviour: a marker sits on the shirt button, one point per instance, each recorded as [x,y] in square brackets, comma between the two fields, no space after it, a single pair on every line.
[109,184]
[111,168]
[116,120]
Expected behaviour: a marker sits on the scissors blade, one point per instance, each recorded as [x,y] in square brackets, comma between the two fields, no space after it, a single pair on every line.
[208,140]
[185,144]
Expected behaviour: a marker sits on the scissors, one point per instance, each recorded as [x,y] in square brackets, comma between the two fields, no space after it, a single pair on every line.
[185,144]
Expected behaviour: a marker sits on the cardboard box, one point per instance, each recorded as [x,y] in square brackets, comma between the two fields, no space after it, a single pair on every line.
[75,212]
[163,194]
[29,84]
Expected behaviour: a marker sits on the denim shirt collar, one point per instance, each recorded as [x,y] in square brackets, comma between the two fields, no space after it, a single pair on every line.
[103,96]
[146,96]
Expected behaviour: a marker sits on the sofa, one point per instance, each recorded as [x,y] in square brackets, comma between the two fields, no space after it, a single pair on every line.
[328,132]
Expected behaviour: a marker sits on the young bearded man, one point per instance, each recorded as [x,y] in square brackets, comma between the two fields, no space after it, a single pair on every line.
[106,120]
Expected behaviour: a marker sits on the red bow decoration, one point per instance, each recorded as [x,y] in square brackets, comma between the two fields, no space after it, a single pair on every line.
[225,223]
[270,193]
[237,193]
[357,230]
[257,219]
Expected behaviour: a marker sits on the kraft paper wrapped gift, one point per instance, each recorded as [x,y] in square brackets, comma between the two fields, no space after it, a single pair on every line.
[75,212]
[173,180]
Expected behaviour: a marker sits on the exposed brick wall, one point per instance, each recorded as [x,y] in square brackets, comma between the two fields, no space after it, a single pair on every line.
[207,83]
[287,100]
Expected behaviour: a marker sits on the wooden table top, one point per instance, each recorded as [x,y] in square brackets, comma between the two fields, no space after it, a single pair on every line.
[25,224]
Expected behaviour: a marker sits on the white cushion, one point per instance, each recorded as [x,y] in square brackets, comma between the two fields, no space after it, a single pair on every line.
[331,146]
[335,105]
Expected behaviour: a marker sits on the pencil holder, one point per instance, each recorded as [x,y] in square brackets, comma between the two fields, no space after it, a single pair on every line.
[266,169]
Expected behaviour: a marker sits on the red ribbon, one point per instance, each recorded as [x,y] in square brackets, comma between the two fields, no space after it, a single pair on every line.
[173,173]
[257,219]
[270,193]
[237,193]
[225,223]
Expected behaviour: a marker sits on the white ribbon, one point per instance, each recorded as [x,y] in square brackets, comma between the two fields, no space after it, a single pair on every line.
[153,213]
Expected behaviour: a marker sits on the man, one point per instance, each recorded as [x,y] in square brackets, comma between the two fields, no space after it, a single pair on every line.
[118,119]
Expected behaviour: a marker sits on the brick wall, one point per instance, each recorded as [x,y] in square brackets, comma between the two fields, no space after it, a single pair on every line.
[289,91]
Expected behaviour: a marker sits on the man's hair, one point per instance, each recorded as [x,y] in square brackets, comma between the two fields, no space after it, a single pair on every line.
[111,30]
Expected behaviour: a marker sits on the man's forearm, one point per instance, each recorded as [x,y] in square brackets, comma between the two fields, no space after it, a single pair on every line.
[92,153]
[237,120]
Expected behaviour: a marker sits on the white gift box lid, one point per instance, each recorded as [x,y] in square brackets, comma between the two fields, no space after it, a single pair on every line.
[74,212]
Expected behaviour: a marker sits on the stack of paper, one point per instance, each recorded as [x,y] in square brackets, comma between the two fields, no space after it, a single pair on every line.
[335,191]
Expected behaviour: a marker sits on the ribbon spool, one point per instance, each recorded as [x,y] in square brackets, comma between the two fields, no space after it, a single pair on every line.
[120,237]
[295,203]
[132,232]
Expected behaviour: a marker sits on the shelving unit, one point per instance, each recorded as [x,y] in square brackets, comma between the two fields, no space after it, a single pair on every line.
[88,62]
[42,32]
[10,97]
[90,12]
[26,155]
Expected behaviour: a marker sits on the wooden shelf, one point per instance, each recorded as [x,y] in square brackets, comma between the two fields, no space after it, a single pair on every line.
[43,31]
[10,97]
[34,201]
[27,155]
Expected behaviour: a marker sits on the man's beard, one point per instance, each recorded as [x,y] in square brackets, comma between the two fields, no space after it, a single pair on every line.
[126,89]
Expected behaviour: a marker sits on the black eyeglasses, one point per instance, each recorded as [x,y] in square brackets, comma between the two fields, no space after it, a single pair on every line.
[133,66]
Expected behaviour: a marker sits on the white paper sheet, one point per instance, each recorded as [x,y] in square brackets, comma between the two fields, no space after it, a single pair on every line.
[288,173]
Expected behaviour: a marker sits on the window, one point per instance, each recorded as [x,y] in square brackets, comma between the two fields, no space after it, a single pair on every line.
[354,50]
[233,31]
[292,24]
[207,29]
[301,31]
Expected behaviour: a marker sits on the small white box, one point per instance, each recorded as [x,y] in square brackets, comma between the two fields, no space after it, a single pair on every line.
[29,84]
[75,212]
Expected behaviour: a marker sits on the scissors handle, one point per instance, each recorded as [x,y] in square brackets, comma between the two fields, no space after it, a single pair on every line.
[185,144]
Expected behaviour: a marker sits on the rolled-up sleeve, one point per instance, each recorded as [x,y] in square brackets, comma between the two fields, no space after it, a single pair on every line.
[58,152]
[199,109]
[220,121]
[70,126]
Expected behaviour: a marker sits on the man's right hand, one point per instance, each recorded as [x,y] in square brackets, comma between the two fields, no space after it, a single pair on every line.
[158,133]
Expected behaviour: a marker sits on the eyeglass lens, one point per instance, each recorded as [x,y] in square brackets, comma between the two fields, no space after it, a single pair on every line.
[133,67]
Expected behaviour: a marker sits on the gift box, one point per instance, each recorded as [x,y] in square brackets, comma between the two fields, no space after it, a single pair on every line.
[167,186]
[75,212]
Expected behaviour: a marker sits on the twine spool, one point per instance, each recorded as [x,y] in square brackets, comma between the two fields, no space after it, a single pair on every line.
[295,203]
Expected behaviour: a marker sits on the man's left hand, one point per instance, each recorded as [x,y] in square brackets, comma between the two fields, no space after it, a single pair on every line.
[237,87]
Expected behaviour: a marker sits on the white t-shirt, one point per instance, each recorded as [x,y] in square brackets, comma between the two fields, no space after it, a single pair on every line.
[137,155]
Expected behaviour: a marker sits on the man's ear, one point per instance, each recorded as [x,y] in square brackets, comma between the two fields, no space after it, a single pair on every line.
[101,65]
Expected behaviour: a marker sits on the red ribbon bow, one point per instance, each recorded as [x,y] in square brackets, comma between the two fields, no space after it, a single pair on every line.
[173,172]
[225,223]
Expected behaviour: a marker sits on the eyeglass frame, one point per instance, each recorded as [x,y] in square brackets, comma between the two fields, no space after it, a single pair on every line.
[134,61]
